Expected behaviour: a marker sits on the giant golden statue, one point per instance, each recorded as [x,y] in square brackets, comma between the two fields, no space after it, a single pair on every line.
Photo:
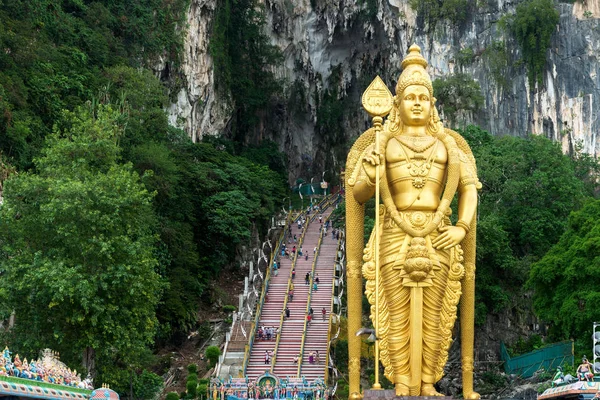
[416,263]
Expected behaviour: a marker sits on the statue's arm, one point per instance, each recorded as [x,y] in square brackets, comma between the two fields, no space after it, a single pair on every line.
[467,201]
[364,188]
[467,204]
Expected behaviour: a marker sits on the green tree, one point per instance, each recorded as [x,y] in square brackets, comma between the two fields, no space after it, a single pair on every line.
[566,279]
[77,246]
[212,354]
[146,385]
[529,189]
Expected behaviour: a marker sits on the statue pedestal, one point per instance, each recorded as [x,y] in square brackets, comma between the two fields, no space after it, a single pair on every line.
[391,395]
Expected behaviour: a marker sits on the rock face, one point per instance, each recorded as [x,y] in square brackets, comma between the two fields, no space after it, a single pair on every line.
[345,43]
[197,109]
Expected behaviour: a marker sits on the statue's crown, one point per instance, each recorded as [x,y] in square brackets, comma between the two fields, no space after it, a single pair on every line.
[413,71]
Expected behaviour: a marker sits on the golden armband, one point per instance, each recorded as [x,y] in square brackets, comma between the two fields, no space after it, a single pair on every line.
[464,225]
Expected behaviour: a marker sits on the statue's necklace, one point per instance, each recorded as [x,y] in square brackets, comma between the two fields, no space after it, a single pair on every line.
[417,144]
[418,167]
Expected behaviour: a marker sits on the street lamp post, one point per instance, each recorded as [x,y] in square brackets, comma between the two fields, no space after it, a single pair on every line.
[323,179]
[312,189]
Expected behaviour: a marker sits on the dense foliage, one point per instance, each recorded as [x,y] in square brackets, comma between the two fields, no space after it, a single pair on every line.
[433,11]
[242,57]
[533,24]
[529,189]
[54,52]
[78,235]
[195,202]
[332,109]
[566,279]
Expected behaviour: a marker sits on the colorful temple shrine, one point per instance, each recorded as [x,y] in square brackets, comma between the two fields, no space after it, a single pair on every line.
[45,378]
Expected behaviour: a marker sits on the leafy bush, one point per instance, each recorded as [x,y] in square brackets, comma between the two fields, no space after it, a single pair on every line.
[212,354]
[497,61]
[533,24]
[229,308]
[343,390]
[493,380]
[465,57]
[521,346]
[202,390]
[341,355]
[569,272]
[192,369]
[192,389]
[172,396]
[147,385]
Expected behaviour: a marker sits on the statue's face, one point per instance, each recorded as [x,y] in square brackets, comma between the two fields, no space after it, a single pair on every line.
[415,106]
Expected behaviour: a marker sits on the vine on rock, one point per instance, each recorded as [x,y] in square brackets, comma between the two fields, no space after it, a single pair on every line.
[533,24]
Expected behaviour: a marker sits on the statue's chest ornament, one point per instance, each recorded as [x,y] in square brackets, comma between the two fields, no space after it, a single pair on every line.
[418,166]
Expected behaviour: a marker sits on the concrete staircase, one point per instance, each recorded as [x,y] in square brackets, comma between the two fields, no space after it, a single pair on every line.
[317,332]
[292,329]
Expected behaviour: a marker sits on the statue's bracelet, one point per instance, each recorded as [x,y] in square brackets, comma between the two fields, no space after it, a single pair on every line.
[464,225]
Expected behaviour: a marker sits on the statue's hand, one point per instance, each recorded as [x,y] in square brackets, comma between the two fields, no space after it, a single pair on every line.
[370,162]
[450,237]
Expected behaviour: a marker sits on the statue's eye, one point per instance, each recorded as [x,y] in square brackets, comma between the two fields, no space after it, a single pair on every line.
[424,97]
[409,97]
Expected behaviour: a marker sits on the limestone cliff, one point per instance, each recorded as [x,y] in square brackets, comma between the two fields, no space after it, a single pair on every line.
[345,43]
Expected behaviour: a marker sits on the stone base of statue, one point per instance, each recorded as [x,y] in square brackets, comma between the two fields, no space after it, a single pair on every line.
[391,395]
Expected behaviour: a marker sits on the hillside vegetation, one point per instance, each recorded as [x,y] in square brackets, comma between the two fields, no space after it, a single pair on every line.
[114,223]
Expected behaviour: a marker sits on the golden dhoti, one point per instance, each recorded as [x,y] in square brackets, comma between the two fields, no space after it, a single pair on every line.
[437,283]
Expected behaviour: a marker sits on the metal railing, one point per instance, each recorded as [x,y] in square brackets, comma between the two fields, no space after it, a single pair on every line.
[259,306]
[217,369]
[331,314]
[310,299]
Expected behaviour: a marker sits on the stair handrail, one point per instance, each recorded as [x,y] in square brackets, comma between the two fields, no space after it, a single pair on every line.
[217,369]
[285,301]
[259,306]
[309,299]
[330,316]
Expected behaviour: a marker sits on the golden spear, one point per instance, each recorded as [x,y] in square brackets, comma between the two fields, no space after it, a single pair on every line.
[378,102]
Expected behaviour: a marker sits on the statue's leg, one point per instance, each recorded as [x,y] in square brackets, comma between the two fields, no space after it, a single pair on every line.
[433,298]
[398,335]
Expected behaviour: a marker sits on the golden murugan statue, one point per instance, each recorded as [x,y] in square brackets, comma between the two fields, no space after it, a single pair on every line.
[416,260]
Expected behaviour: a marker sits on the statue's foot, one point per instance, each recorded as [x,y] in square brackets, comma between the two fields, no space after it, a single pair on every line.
[471,395]
[428,390]
[356,396]
[402,390]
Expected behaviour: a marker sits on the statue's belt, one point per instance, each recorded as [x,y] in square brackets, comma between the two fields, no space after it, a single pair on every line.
[417,219]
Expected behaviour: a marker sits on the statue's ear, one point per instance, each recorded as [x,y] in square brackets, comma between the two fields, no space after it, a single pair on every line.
[433,100]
